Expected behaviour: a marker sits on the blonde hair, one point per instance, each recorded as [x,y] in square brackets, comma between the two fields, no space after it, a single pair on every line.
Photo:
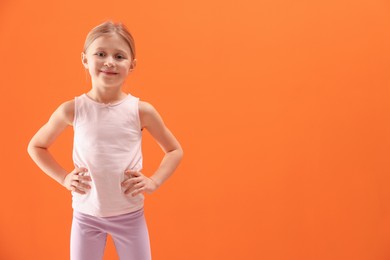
[108,28]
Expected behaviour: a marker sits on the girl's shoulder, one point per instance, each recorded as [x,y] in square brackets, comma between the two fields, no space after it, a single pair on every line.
[148,114]
[144,106]
[66,109]
[146,109]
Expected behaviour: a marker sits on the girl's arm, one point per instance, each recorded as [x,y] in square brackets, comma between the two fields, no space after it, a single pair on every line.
[152,121]
[45,137]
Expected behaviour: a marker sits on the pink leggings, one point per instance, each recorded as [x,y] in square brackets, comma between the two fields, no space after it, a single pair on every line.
[128,231]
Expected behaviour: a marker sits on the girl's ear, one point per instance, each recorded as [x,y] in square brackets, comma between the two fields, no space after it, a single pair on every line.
[133,64]
[84,60]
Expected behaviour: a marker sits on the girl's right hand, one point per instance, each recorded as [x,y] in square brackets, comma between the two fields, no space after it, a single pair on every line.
[75,181]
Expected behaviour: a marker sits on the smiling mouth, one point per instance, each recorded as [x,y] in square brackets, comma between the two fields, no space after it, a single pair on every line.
[109,72]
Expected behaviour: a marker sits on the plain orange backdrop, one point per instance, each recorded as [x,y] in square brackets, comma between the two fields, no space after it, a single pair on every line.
[281,106]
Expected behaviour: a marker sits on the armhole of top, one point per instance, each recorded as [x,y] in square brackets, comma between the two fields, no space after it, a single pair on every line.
[137,115]
[75,113]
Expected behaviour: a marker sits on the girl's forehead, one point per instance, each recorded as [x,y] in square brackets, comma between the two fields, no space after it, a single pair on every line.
[110,42]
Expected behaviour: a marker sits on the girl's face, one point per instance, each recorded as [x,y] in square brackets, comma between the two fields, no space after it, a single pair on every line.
[108,60]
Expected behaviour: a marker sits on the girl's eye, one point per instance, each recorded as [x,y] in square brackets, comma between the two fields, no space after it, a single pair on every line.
[120,57]
[100,54]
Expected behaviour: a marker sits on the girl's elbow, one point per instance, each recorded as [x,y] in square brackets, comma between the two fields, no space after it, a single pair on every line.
[30,148]
[180,153]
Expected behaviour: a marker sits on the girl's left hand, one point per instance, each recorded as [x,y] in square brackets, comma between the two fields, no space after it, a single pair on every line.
[137,183]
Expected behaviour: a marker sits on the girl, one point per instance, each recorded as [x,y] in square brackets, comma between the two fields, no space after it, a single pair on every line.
[107,184]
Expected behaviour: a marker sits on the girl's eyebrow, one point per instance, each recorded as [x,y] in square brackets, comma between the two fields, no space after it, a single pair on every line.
[118,50]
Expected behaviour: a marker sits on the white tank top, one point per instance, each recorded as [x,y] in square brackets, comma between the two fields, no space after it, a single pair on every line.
[107,141]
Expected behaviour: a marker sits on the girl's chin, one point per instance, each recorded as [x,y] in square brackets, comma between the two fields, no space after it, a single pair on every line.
[107,85]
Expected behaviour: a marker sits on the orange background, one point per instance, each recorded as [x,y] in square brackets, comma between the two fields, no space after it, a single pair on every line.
[282,108]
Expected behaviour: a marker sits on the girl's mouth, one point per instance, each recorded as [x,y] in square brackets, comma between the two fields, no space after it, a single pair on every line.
[109,72]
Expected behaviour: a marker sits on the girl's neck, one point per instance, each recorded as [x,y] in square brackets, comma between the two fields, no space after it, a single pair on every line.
[106,96]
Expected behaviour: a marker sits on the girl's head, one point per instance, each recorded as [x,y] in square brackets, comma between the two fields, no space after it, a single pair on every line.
[109,54]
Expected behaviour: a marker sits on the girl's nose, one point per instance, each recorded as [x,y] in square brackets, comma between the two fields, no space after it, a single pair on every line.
[109,62]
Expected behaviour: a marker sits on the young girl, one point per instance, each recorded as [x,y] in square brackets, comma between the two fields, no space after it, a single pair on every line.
[107,184]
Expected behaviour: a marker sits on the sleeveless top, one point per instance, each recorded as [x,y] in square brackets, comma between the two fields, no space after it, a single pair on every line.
[107,141]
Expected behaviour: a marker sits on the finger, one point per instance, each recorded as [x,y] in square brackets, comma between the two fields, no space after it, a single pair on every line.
[126,185]
[131,173]
[129,190]
[138,192]
[131,182]
[85,178]
[83,186]
[80,191]
[133,188]
[81,178]
[74,189]
[128,174]
[80,186]
[136,180]
[135,173]
[81,170]
[138,185]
